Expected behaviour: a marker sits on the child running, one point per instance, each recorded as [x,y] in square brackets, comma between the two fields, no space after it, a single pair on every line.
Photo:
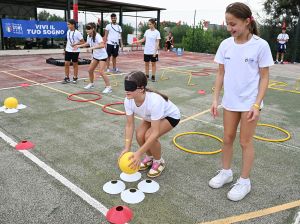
[96,45]
[159,116]
[244,61]
[152,37]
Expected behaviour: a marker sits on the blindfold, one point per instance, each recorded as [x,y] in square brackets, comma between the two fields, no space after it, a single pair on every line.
[130,86]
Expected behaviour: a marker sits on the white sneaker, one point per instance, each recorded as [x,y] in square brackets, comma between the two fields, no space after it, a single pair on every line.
[107,70]
[238,191]
[220,179]
[107,89]
[115,70]
[89,86]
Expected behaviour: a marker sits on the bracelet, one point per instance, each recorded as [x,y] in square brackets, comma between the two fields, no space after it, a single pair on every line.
[256,106]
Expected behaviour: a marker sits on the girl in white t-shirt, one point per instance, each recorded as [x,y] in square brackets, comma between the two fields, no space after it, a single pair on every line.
[244,61]
[96,45]
[159,116]
[152,38]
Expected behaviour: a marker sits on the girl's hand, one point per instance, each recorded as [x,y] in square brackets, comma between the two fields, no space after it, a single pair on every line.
[75,47]
[253,114]
[135,160]
[123,152]
[214,109]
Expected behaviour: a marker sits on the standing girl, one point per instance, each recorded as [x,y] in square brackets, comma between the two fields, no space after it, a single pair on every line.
[244,61]
[152,37]
[169,41]
[159,116]
[73,37]
[96,45]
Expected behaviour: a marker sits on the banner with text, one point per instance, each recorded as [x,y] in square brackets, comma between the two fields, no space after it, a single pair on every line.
[33,28]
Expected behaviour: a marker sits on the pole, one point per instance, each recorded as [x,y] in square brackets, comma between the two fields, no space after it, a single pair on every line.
[136,27]
[297,44]
[68,9]
[158,20]
[194,30]
[2,37]
[102,25]
[75,10]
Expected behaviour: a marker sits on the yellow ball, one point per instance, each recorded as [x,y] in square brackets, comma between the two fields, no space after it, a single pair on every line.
[124,163]
[11,102]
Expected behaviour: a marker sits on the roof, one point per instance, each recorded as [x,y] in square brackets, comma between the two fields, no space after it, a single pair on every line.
[85,5]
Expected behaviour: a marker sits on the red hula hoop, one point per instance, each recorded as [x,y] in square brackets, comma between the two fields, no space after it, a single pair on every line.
[84,93]
[110,112]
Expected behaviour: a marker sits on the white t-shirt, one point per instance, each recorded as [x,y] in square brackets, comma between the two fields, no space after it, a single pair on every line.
[241,78]
[73,37]
[283,37]
[114,33]
[99,53]
[153,108]
[151,36]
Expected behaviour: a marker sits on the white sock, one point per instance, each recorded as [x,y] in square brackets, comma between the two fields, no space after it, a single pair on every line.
[227,172]
[244,181]
[161,160]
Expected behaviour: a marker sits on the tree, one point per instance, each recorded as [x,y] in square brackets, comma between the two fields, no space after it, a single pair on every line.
[46,16]
[288,11]
[126,29]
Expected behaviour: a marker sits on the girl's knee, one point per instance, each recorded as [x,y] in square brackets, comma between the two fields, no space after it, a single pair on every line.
[228,139]
[245,143]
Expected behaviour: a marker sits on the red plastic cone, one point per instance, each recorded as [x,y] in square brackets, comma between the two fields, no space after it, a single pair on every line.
[119,215]
[24,145]
[202,92]
[24,84]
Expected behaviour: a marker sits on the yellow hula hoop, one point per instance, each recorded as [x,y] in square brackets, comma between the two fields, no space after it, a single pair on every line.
[273,140]
[196,152]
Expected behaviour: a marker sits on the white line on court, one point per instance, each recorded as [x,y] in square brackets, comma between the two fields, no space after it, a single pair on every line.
[85,196]
[297,219]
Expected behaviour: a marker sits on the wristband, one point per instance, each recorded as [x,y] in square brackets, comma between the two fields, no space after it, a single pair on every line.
[256,106]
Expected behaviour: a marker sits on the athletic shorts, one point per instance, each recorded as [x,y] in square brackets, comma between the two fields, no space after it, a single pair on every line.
[112,50]
[71,56]
[149,57]
[173,121]
[281,48]
[104,59]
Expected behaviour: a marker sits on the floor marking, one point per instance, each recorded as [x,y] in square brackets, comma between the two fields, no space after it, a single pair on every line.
[57,90]
[44,76]
[255,214]
[78,191]
[297,219]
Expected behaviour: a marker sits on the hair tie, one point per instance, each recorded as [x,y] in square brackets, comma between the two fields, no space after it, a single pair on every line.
[251,19]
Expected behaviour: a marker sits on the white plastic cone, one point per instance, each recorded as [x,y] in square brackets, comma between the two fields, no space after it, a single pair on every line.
[132,196]
[11,111]
[21,106]
[114,187]
[148,186]
[130,177]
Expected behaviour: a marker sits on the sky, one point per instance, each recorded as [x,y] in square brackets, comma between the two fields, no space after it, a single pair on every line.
[211,10]
[178,10]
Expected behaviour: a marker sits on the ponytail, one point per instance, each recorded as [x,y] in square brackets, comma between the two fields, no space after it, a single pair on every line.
[253,27]
[166,98]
